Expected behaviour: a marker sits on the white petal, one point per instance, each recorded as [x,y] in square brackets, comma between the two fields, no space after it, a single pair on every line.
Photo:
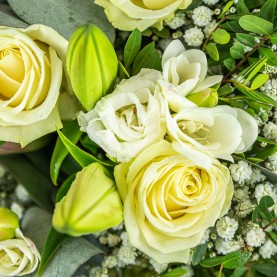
[174,49]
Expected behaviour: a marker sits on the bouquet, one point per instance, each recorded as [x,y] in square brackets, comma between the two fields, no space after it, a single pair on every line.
[138,138]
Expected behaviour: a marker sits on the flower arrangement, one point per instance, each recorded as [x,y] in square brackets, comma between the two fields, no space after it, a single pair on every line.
[138,138]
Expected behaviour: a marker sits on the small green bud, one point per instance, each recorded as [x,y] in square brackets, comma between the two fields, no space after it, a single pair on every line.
[8,224]
[207,98]
[92,203]
[92,64]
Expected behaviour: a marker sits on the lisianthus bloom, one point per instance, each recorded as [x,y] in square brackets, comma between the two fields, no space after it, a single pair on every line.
[141,14]
[129,119]
[216,132]
[18,256]
[31,72]
[169,202]
[184,73]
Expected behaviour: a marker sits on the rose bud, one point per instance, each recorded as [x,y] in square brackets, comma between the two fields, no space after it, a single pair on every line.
[92,64]
[8,223]
[92,203]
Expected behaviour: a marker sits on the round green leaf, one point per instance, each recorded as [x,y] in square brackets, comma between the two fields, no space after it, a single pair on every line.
[212,51]
[237,51]
[221,36]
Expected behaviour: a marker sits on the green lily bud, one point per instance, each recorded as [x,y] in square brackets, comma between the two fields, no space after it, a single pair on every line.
[92,64]
[8,224]
[207,98]
[92,203]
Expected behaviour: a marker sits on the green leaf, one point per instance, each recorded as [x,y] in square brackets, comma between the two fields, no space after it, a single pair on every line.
[122,71]
[269,141]
[164,33]
[255,70]
[148,57]
[256,25]
[266,202]
[241,7]
[82,157]
[273,236]
[62,16]
[259,81]
[226,8]
[194,4]
[271,56]
[255,95]
[38,185]
[199,253]
[132,47]
[221,36]
[211,262]
[64,188]
[255,215]
[53,241]
[237,51]
[212,51]
[8,18]
[71,130]
[239,271]
[232,26]
[229,63]
[268,10]
[246,39]
[269,270]
[177,272]
[266,152]
[273,38]
[235,259]
[225,90]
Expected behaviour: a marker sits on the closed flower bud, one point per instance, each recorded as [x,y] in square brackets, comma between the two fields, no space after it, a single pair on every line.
[92,203]
[92,64]
[207,98]
[8,224]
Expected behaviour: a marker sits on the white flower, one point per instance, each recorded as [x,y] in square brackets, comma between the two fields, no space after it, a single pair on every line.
[126,121]
[226,227]
[202,16]
[241,172]
[184,72]
[193,36]
[209,28]
[126,255]
[262,190]
[226,246]
[255,237]
[113,240]
[270,131]
[270,88]
[210,2]
[18,256]
[205,237]
[244,208]
[218,132]
[241,195]
[177,21]
[268,249]
[256,177]
[109,262]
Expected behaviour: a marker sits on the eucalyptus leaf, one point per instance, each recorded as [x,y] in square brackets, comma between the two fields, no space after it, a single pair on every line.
[212,51]
[246,39]
[234,259]
[62,15]
[268,10]
[9,18]
[221,36]
[259,81]
[71,255]
[271,56]
[256,25]
[237,52]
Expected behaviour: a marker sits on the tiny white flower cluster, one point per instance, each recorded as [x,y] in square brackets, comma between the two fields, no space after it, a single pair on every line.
[226,227]
[256,236]
[176,22]
[270,130]
[210,2]
[240,172]
[265,189]
[270,88]
[226,246]
[193,36]
[202,16]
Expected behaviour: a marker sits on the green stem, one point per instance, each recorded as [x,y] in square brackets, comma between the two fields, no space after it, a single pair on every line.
[220,271]
[270,223]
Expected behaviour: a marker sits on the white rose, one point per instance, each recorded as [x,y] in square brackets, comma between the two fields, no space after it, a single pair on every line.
[217,132]
[184,73]
[18,256]
[31,71]
[126,121]
[141,14]
[169,202]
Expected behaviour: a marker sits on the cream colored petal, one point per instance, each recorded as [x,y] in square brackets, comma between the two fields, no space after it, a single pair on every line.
[174,49]
[207,83]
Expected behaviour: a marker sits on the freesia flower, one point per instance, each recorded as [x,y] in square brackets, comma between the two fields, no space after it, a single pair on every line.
[8,223]
[216,132]
[127,15]
[18,256]
[126,121]
[31,71]
[184,73]
[169,202]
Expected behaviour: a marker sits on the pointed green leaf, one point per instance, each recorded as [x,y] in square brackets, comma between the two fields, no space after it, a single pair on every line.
[268,141]
[273,236]
[123,72]
[246,39]
[229,63]
[255,70]
[273,38]
[164,33]
[71,130]
[226,8]
[239,271]
[232,26]
[199,253]
[212,51]
[132,47]
[64,188]
[177,272]
[271,56]
[269,270]
[256,25]
[221,36]
[259,81]
[82,157]
[268,10]
[237,51]
[235,259]
[211,262]
[225,90]
[241,7]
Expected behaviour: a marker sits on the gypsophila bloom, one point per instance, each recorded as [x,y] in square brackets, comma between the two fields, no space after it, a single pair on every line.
[113,240]
[255,257]
[272,163]
[270,88]
[262,190]
[210,2]
[126,255]
[256,177]
[226,227]
[125,239]
[193,36]
[241,194]
[232,10]
[244,208]
[238,78]
[177,21]
[268,249]
[209,28]
[109,262]
[177,34]
[202,16]
[226,246]
[217,11]
[205,237]
[270,69]
[255,237]
[240,172]
[270,130]
[159,268]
